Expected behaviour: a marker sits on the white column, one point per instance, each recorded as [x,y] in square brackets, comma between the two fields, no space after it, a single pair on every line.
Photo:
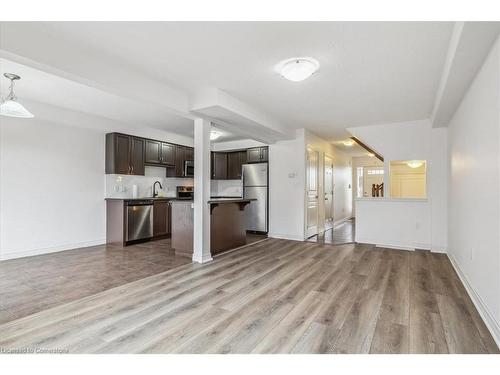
[201,233]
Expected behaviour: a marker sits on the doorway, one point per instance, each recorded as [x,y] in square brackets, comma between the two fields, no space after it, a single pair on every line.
[328,191]
[312,212]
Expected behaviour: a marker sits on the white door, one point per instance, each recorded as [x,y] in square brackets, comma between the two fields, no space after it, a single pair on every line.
[328,187]
[312,192]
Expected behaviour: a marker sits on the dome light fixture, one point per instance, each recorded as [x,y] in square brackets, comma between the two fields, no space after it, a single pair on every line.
[415,163]
[10,106]
[348,142]
[214,134]
[297,69]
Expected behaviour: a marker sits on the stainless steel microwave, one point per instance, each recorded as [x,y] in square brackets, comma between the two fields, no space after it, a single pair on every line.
[189,168]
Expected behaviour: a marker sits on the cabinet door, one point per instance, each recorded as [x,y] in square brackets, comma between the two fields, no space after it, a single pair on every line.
[220,166]
[122,154]
[167,154]
[264,154]
[137,156]
[161,218]
[189,153]
[179,161]
[153,152]
[233,165]
[253,155]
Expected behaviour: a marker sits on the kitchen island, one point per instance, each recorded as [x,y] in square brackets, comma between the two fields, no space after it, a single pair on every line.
[227,225]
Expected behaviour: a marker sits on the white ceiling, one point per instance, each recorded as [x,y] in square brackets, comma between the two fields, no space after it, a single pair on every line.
[371,72]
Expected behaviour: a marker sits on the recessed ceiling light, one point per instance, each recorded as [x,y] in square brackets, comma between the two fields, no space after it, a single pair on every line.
[415,163]
[214,134]
[297,69]
[348,142]
[371,154]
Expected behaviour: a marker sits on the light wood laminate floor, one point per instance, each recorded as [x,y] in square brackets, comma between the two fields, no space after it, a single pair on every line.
[275,296]
[342,233]
[32,284]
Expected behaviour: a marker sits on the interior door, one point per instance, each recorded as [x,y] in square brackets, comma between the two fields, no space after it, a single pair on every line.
[328,189]
[312,192]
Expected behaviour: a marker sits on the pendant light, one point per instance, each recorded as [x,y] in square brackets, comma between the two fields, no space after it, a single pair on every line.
[10,106]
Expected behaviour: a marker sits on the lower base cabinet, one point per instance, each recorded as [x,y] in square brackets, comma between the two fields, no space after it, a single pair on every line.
[161,218]
[116,221]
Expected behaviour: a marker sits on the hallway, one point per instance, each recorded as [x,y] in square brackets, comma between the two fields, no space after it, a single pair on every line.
[341,234]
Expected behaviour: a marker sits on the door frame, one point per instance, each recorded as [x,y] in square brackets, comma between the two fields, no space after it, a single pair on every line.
[325,156]
[307,150]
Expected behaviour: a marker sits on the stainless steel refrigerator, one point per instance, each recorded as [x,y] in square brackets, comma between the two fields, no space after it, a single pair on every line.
[255,186]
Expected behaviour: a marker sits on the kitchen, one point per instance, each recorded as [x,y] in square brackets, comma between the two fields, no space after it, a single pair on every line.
[150,191]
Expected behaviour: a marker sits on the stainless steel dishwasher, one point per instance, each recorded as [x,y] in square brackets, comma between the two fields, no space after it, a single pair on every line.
[139,217]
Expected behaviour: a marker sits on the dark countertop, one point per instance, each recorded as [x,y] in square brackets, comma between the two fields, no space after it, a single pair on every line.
[230,200]
[140,199]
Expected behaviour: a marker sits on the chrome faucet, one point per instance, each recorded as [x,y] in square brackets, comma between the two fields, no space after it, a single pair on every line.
[155,194]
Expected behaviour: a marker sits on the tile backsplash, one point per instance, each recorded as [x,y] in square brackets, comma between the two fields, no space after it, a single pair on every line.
[226,188]
[120,186]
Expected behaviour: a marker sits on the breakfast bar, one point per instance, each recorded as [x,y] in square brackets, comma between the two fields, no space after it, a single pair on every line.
[227,225]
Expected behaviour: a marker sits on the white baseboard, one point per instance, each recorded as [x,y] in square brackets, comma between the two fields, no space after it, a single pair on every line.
[48,250]
[489,319]
[439,249]
[202,259]
[394,244]
[396,247]
[291,237]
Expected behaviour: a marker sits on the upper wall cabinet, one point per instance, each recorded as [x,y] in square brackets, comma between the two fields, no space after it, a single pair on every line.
[159,153]
[124,154]
[181,155]
[235,161]
[219,165]
[257,155]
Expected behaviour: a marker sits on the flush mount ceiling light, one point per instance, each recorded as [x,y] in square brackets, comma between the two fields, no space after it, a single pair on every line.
[415,163]
[348,142]
[297,69]
[10,106]
[214,134]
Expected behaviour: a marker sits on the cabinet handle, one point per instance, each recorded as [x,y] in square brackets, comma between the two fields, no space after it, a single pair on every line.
[132,169]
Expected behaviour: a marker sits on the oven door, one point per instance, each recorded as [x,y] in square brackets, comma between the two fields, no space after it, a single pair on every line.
[189,168]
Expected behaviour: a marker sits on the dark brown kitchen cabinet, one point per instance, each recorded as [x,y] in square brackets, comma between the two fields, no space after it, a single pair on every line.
[124,154]
[257,155]
[167,153]
[161,218]
[159,153]
[182,154]
[219,166]
[235,161]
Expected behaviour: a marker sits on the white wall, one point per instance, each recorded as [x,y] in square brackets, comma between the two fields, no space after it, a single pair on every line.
[474,188]
[286,188]
[52,181]
[397,223]
[407,141]
[51,187]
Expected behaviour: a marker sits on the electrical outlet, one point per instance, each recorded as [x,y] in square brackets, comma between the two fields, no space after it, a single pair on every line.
[471,254]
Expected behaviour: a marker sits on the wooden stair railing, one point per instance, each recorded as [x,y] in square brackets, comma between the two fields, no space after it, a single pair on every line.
[378,190]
